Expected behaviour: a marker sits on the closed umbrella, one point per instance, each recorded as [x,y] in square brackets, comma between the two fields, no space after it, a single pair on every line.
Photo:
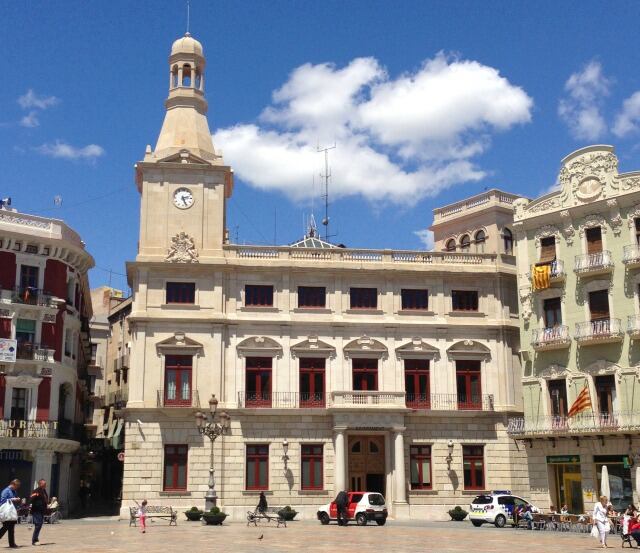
[638,481]
[605,488]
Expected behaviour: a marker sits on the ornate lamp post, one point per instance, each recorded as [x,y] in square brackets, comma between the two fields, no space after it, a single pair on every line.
[212,425]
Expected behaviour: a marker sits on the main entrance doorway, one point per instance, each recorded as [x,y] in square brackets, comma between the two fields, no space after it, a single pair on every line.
[366,464]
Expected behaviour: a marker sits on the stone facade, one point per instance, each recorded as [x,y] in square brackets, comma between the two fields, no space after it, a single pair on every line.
[579,330]
[400,367]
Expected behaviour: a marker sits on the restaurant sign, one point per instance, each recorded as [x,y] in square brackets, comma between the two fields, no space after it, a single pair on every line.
[28,429]
[8,350]
[563,459]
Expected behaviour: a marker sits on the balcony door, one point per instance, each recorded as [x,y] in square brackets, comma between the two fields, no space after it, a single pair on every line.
[312,373]
[548,249]
[365,374]
[258,381]
[177,380]
[468,384]
[637,227]
[594,240]
[599,305]
[606,394]
[558,399]
[416,382]
[552,308]
[28,277]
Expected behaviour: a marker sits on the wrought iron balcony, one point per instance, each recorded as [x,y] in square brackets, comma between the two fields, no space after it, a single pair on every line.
[556,337]
[28,351]
[450,402]
[118,398]
[32,296]
[281,400]
[633,326]
[631,255]
[600,331]
[556,274]
[177,398]
[594,263]
[583,423]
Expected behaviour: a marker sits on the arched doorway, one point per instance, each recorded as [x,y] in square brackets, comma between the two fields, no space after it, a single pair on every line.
[367,464]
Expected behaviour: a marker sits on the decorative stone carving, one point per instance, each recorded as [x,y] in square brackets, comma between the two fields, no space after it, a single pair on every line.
[630,182]
[553,371]
[519,207]
[49,318]
[182,249]
[418,348]
[179,341]
[545,205]
[615,220]
[365,346]
[633,214]
[17,220]
[468,349]
[567,226]
[601,366]
[587,174]
[259,346]
[5,314]
[545,232]
[525,300]
[313,346]
[591,221]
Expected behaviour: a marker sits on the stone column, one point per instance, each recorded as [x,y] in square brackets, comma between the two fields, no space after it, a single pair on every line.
[42,461]
[398,457]
[63,482]
[341,461]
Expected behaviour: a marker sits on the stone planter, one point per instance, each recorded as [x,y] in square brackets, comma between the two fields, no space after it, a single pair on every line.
[214,519]
[287,515]
[193,516]
[458,515]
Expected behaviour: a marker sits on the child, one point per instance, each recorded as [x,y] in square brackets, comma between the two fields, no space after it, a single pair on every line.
[142,515]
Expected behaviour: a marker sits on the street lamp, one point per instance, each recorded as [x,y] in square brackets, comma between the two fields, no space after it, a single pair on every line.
[212,425]
[449,457]
[285,449]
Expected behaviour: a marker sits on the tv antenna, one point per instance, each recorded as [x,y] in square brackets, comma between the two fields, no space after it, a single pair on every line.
[325,195]
[188,15]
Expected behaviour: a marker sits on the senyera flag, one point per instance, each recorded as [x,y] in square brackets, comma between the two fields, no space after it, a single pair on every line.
[582,402]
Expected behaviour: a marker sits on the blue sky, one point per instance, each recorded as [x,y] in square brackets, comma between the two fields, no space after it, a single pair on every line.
[428,102]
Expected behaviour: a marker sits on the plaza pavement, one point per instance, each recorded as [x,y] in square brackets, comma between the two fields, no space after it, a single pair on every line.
[109,535]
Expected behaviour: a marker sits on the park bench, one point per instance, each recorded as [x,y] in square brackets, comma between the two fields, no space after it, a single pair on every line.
[154,511]
[271,514]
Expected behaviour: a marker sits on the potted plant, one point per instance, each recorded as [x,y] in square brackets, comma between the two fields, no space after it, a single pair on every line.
[214,516]
[287,513]
[193,514]
[458,513]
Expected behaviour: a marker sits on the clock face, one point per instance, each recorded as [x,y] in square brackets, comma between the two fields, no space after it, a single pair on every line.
[183,198]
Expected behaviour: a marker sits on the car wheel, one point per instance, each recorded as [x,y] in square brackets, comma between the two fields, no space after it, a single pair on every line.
[500,521]
[381,521]
[361,519]
[324,518]
[476,523]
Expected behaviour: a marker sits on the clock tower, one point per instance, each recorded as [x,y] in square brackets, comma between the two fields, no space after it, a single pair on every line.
[183,182]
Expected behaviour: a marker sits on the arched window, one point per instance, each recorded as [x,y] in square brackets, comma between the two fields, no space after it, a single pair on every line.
[356,447]
[480,240]
[465,243]
[186,75]
[507,236]
[198,80]
[174,76]
[451,245]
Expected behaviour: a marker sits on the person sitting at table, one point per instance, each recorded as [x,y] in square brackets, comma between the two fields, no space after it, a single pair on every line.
[527,515]
[552,510]
[564,510]
[634,529]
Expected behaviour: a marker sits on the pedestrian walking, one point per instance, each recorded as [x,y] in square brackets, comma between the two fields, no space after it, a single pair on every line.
[262,503]
[601,522]
[39,501]
[8,526]
[341,501]
[142,516]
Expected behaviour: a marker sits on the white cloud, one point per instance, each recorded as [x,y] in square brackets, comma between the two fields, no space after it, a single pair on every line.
[397,140]
[581,108]
[426,237]
[628,119]
[62,150]
[31,100]
[30,120]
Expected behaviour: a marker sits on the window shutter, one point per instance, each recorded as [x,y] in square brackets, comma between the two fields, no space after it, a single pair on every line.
[548,249]
[599,305]
[7,270]
[594,240]
[44,398]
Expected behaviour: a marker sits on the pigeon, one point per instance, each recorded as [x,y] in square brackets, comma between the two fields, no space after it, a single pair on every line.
[261,536]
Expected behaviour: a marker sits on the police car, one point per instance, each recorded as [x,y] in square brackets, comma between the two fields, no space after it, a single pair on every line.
[496,508]
[361,507]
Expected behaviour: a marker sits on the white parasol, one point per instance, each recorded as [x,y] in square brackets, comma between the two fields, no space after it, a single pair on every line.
[605,488]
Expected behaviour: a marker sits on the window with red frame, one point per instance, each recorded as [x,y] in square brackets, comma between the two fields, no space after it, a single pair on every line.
[181,292]
[468,384]
[312,467]
[177,380]
[258,382]
[473,467]
[416,383]
[257,467]
[365,374]
[258,295]
[420,459]
[363,298]
[312,371]
[464,300]
[312,296]
[414,300]
[175,467]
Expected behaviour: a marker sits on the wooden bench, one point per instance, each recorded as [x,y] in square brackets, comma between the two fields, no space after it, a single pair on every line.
[154,511]
[270,515]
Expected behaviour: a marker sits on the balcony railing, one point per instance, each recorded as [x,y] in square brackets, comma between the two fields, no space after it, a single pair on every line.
[34,352]
[450,402]
[118,398]
[177,398]
[23,428]
[598,262]
[367,398]
[631,255]
[602,330]
[583,423]
[550,338]
[32,296]
[281,400]
[121,362]
[633,326]
[557,271]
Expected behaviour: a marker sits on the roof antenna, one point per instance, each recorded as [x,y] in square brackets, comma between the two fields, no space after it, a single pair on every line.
[188,15]
[325,195]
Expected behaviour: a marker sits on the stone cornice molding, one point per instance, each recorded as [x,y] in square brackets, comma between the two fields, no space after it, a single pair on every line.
[468,349]
[417,348]
[312,347]
[365,347]
[262,346]
[545,232]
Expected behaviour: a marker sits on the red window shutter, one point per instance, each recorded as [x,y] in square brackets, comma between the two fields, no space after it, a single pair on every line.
[52,334]
[7,270]
[55,278]
[44,399]
[5,328]
[2,388]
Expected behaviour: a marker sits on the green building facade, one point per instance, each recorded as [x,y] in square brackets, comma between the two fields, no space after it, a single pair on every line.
[578,284]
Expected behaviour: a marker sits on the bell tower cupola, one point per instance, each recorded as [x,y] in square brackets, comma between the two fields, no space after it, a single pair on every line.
[185,124]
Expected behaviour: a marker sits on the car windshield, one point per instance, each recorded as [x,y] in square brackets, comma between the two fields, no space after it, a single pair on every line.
[376,499]
[483,500]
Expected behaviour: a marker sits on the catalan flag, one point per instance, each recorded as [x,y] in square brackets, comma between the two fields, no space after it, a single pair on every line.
[541,276]
[582,402]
